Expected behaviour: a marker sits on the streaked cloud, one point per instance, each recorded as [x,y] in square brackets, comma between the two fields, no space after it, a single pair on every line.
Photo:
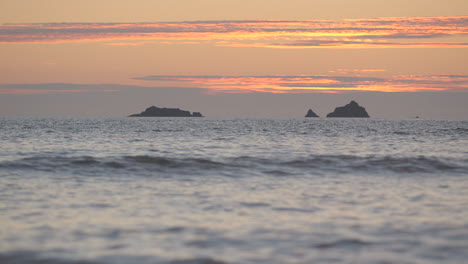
[357,44]
[319,83]
[396,32]
[281,84]
[57,88]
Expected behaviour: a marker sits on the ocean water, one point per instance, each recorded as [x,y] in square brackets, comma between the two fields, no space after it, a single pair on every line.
[212,191]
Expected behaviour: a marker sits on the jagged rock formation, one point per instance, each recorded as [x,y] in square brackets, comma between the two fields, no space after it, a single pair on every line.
[154,111]
[352,109]
[311,113]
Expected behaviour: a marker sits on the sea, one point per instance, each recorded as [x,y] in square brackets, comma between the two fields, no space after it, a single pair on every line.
[233,191]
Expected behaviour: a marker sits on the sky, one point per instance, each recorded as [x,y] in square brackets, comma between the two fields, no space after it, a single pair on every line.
[255,58]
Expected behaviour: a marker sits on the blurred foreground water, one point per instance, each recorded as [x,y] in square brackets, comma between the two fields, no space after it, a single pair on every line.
[205,191]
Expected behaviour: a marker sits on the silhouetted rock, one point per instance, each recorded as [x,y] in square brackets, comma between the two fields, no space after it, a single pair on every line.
[154,111]
[311,113]
[350,110]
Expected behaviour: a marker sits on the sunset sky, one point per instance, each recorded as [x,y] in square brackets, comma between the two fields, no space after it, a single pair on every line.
[255,58]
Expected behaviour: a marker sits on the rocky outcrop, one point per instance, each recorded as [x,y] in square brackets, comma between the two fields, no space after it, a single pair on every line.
[154,111]
[352,109]
[311,113]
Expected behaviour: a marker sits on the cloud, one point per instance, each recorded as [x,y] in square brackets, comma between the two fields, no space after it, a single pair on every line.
[320,43]
[57,88]
[318,83]
[350,33]
[277,84]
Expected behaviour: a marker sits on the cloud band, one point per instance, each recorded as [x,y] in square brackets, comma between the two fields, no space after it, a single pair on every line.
[319,83]
[395,32]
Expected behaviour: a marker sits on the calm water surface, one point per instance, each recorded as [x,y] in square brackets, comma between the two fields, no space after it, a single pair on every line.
[210,191]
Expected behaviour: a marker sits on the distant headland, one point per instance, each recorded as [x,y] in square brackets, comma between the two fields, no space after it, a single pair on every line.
[154,111]
[352,109]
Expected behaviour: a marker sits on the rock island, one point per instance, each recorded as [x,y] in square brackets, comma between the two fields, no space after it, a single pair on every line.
[154,111]
[352,109]
[311,113]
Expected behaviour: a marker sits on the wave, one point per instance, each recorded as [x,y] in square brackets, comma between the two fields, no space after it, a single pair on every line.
[238,166]
[33,257]
[343,243]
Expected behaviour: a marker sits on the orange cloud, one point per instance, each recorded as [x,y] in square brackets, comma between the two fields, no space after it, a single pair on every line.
[396,32]
[320,83]
[358,44]
[279,84]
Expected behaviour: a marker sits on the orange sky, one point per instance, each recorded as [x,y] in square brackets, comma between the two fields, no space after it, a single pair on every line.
[241,46]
